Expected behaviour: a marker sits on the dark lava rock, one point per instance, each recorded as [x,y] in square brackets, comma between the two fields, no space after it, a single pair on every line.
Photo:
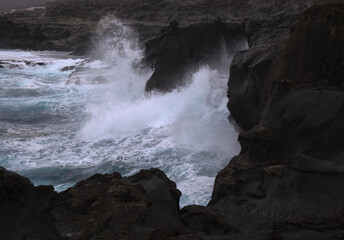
[248,70]
[100,207]
[176,52]
[202,219]
[186,12]
[12,184]
[68,25]
[286,182]
[254,72]
[40,33]
[112,207]
[33,64]
[314,57]
[25,209]
[261,31]
[68,68]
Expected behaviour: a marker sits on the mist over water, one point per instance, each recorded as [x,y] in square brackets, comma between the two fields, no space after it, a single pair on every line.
[59,134]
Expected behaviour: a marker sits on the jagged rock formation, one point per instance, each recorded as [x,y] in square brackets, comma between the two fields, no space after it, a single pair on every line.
[177,52]
[285,182]
[68,24]
[143,206]
[249,90]
[103,206]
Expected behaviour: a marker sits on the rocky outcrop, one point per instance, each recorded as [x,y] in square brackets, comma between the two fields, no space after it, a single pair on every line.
[68,25]
[285,182]
[177,52]
[103,206]
[319,28]
[253,75]
[25,209]
[143,206]
[112,207]
[249,70]
[45,34]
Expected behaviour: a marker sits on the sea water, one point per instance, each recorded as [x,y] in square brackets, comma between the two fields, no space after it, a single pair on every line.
[59,127]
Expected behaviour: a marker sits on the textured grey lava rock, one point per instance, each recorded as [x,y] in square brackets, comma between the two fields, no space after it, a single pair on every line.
[102,206]
[177,52]
[285,183]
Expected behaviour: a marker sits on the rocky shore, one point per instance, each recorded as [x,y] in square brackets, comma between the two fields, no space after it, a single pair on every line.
[285,92]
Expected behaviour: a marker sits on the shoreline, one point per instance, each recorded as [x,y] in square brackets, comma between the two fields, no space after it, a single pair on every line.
[285,92]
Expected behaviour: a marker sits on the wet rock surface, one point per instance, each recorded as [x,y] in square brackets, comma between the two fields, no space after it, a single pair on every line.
[175,53]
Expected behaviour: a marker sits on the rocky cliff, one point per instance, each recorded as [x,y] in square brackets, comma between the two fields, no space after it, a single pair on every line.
[68,24]
[285,183]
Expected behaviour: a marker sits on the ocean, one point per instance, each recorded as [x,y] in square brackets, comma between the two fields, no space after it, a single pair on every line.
[64,118]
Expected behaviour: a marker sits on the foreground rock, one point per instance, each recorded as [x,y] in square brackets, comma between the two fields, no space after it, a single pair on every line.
[103,206]
[143,206]
[25,209]
[286,182]
[112,207]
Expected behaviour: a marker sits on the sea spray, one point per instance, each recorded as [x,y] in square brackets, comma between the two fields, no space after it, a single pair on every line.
[184,132]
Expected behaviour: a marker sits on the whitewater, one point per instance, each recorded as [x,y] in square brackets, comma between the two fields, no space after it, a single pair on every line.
[60,125]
